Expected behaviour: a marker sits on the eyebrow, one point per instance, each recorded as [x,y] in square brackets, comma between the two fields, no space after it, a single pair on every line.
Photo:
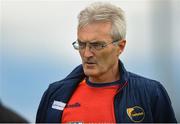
[97,42]
[93,41]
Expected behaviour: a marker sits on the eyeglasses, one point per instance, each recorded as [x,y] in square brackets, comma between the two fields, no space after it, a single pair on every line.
[98,45]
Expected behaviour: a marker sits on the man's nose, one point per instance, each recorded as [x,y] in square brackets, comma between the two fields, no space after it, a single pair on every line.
[88,52]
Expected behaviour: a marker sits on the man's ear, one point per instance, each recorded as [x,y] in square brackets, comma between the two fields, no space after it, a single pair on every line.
[121,45]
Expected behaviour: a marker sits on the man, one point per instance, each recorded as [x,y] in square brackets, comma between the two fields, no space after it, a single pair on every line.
[101,90]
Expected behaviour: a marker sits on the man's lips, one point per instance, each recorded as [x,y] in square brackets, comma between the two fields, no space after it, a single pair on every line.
[90,63]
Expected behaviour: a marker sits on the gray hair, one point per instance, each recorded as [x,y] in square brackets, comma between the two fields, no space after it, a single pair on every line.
[104,12]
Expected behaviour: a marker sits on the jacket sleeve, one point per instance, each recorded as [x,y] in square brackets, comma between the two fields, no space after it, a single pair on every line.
[42,108]
[162,108]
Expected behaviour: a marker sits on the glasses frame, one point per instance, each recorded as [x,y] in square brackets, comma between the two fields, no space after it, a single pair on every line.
[91,47]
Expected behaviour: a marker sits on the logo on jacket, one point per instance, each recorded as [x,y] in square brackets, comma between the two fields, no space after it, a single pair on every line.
[58,105]
[75,105]
[136,114]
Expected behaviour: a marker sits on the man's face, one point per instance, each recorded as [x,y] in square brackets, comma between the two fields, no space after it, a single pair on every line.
[98,62]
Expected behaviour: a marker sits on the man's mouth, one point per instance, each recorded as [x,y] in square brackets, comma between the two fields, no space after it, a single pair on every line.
[90,63]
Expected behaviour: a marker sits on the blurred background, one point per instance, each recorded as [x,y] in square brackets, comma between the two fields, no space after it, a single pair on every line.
[36,50]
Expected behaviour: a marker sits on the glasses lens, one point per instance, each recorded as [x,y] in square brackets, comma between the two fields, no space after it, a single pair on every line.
[75,45]
[96,46]
[78,45]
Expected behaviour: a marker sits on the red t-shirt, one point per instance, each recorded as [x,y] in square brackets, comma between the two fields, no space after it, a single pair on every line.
[91,103]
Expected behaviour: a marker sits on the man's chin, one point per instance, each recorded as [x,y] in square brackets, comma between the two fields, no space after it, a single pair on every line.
[88,72]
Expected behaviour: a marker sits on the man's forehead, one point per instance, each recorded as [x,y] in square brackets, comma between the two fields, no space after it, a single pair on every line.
[95,26]
[94,32]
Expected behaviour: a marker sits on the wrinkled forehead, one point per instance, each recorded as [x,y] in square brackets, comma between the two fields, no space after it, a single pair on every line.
[96,25]
[95,31]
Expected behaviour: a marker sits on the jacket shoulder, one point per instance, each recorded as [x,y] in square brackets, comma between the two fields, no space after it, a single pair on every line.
[58,91]
[141,81]
[76,74]
[149,87]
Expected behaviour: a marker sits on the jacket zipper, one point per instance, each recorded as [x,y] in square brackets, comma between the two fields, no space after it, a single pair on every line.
[116,111]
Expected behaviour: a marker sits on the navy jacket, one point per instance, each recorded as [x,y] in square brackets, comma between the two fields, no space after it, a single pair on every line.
[139,99]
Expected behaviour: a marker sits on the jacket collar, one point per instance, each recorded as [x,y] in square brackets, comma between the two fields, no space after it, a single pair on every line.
[79,73]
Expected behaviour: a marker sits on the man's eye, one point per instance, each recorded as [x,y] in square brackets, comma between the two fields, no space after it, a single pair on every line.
[81,44]
[97,45]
